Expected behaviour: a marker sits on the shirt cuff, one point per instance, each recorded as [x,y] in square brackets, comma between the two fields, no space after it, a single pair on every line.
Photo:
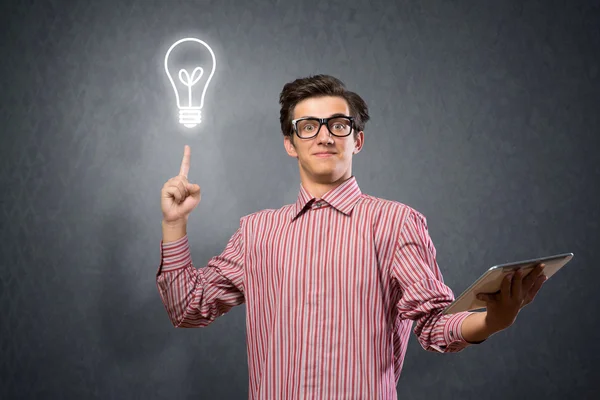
[174,255]
[453,328]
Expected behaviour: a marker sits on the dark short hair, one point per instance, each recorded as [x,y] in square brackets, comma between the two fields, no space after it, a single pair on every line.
[319,86]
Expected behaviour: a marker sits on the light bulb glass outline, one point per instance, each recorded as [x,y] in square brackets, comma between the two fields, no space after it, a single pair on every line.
[189,116]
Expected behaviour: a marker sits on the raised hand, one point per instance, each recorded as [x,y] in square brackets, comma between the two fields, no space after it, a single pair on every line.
[178,196]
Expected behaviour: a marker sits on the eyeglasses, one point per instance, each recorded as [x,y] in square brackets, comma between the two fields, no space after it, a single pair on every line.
[309,127]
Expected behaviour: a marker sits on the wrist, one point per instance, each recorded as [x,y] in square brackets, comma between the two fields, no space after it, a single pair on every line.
[173,230]
[176,224]
[477,328]
[491,325]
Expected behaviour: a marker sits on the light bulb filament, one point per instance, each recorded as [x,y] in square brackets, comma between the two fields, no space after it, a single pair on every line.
[190,81]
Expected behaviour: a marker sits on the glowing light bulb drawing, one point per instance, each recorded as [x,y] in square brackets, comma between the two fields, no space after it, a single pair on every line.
[189,56]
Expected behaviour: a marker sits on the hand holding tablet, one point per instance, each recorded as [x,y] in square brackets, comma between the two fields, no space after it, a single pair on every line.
[491,280]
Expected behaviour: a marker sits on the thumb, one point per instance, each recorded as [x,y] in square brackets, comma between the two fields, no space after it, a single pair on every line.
[193,188]
[484,297]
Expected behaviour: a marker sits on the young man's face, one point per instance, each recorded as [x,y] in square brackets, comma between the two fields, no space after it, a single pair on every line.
[330,168]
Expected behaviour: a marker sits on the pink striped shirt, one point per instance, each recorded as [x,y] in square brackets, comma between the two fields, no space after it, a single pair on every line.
[332,287]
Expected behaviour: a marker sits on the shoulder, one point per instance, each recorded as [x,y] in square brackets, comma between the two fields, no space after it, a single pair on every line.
[397,210]
[267,215]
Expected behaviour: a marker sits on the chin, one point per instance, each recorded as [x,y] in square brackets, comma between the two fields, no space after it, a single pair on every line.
[324,173]
[327,176]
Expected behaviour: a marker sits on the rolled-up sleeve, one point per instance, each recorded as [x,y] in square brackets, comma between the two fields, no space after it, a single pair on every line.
[423,294]
[194,297]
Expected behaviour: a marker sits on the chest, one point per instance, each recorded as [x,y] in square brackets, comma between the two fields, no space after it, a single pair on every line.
[322,254]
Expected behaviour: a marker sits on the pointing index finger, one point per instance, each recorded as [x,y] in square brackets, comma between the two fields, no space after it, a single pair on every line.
[185,163]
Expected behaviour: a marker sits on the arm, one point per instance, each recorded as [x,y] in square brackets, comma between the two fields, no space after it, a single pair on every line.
[475,329]
[423,292]
[195,297]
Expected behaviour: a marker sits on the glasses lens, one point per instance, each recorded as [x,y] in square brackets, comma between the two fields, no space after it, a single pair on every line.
[308,127]
[340,126]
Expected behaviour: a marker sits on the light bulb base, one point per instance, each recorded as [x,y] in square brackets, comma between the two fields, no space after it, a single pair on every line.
[190,117]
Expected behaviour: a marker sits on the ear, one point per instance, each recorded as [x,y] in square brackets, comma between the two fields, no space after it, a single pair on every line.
[359,142]
[289,146]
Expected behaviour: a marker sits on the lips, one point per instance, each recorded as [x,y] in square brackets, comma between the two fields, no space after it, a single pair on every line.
[324,154]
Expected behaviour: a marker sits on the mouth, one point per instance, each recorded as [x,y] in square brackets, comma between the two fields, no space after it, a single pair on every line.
[324,155]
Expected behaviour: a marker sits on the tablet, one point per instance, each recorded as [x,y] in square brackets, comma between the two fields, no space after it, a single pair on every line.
[491,280]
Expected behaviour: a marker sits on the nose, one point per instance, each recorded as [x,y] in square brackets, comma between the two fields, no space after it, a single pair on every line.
[324,136]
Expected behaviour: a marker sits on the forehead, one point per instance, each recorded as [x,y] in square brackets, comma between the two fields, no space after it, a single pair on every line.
[321,107]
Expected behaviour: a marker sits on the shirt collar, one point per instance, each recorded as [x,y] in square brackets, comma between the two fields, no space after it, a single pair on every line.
[343,198]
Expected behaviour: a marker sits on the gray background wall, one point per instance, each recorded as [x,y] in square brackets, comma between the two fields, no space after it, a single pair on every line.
[484,118]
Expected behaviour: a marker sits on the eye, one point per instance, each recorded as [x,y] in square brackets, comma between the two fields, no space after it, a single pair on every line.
[307,125]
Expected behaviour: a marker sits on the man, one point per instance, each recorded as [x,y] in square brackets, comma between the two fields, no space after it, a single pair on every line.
[332,283]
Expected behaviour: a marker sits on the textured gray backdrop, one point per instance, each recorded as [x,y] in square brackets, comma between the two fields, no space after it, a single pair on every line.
[484,118]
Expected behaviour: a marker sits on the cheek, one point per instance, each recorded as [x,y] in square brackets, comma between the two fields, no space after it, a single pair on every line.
[349,151]
[302,153]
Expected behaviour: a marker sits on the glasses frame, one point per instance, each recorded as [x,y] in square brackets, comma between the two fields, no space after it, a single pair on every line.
[322,121]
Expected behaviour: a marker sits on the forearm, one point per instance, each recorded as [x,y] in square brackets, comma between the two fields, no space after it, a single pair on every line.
[196,296]
[182,287]
[475,329]
[172,232]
